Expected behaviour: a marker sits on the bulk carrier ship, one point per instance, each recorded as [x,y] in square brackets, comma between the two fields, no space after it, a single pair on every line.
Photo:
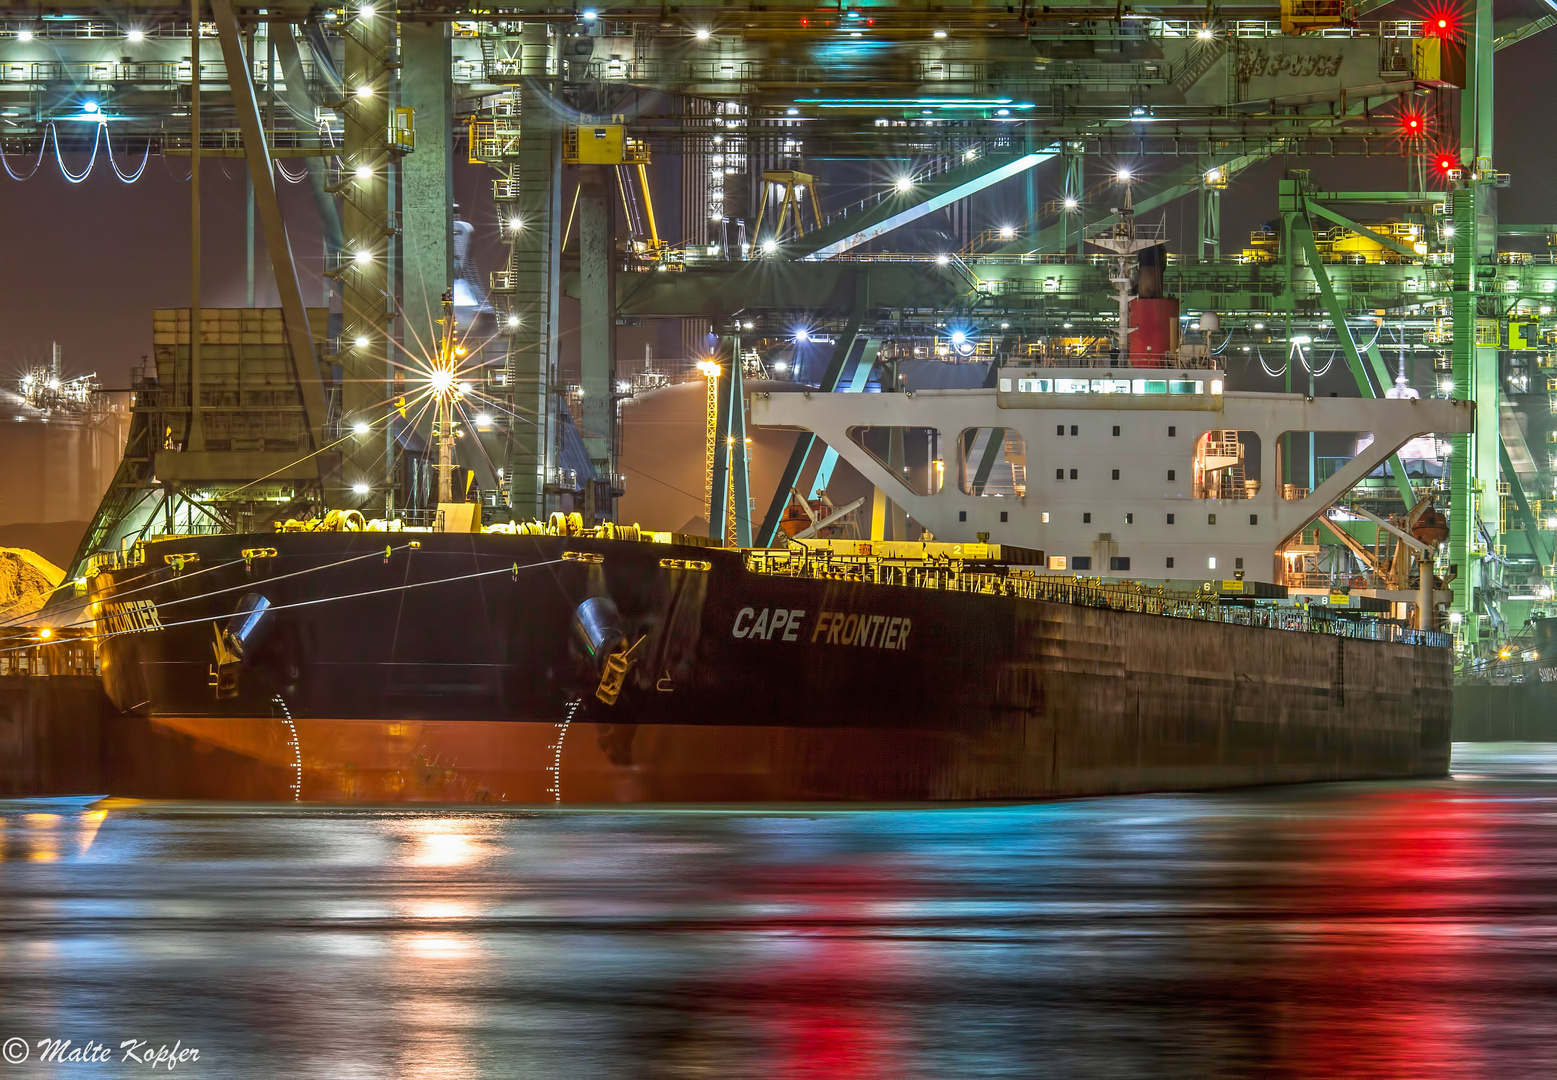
[534,668]
[1086,635]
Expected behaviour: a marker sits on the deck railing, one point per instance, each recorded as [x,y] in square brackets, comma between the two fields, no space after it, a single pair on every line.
[1084,592]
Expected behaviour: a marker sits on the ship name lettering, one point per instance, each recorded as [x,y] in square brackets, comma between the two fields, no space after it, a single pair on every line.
[783,623]
[136,616]
[872,631]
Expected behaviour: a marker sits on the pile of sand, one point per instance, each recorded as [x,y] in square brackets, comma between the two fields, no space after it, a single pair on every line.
[26,580]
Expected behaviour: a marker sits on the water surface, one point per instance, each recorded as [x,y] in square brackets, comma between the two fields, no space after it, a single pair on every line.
[1401,929]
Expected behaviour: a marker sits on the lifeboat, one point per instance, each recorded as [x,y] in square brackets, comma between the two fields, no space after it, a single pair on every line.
[1431,527]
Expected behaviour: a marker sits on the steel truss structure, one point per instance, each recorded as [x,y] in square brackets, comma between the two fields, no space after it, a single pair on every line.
[899,112]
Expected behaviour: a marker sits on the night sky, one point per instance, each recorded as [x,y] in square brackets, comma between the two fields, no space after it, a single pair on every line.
[85,264]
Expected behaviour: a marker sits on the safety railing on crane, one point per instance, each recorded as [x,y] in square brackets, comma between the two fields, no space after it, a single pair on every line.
[1261,28]
[77,29]
[1093,73]
[1350,280]
[229,141]
[938,166]
[142,72]
[491,142]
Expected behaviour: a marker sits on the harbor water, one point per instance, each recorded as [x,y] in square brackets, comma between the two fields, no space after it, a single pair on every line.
[1360,929]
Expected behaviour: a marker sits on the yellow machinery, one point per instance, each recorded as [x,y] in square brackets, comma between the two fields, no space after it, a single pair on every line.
[1061,347]
[793,187]
[494,132]
[402,130]
[1264,247]
[602,144]
[710,371]
[1439,62]
[1341,244]
[609,144]
[1301,16]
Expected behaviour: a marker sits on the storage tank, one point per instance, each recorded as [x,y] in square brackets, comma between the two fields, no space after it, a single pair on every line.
[60,454]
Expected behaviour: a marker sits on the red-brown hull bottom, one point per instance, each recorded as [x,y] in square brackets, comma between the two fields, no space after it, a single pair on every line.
[266,759]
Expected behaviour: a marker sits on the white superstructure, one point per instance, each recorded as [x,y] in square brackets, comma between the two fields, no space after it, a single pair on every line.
[1134,472]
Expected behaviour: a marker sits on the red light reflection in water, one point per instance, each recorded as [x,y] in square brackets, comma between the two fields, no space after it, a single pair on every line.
[820,1004]
[1382,950]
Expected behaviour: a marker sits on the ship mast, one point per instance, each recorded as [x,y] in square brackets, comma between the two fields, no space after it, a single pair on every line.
[1126,242]
[443,385]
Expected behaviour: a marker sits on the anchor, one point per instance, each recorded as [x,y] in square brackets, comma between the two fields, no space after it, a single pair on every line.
[615,673]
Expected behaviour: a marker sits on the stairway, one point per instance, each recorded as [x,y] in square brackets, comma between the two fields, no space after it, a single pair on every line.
[1200,59]
[1016,457]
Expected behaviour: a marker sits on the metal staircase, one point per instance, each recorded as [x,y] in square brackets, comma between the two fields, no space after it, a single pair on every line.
[1016,457]
[1221,463]
[1202,57]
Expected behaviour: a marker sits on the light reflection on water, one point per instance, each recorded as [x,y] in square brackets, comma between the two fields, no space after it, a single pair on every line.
[1357,929]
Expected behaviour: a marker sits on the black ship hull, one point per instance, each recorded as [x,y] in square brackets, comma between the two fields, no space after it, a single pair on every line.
[438,666]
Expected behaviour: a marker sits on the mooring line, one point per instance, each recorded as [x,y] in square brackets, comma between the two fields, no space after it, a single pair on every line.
[218,592]
[374,554]
[20,619]
[511,569]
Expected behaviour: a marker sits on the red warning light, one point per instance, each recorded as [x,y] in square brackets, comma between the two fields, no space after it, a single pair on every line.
[1445,162]
[1441,22]
[1413,124]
